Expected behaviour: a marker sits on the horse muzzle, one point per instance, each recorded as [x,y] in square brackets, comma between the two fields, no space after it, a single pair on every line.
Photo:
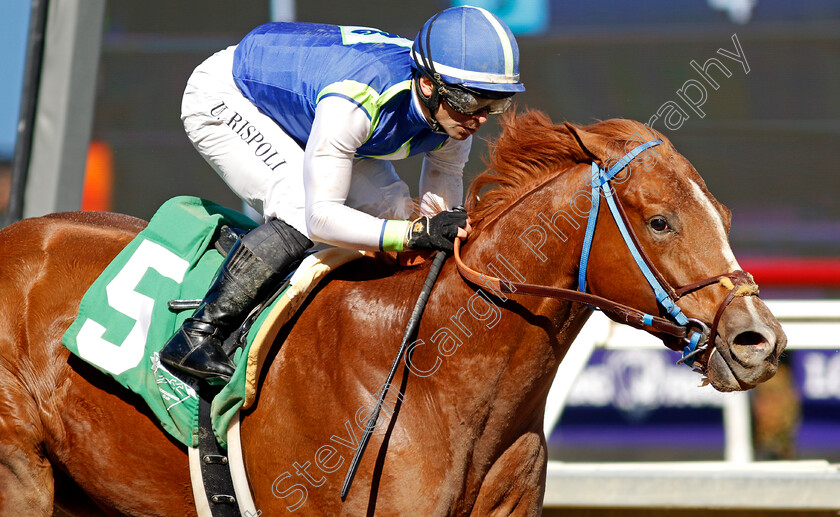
[747,346]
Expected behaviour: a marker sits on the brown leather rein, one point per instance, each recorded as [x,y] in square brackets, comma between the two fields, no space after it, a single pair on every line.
[739,282]
[695,336]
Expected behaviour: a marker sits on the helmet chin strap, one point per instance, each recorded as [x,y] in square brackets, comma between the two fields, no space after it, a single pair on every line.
[432,102]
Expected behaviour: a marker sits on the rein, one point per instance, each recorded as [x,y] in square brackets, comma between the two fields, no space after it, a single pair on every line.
[694,334]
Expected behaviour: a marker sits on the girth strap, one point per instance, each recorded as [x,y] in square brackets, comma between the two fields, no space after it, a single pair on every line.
[215,472]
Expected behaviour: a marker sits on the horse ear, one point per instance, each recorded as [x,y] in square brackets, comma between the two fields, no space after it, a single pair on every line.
[591,144]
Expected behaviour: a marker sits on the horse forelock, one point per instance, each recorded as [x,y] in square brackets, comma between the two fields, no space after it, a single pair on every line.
[532,150]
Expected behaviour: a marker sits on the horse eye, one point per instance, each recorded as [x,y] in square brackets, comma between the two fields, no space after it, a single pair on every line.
[659,224]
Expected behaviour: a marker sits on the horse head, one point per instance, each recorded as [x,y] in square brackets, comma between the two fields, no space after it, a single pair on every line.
[655,241]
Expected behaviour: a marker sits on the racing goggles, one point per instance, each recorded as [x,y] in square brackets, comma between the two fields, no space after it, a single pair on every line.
[470,102]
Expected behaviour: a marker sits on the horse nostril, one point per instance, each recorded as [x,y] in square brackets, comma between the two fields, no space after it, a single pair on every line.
[750,348]
[749,338]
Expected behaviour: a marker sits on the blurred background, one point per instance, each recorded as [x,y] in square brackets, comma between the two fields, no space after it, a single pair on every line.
[747,90]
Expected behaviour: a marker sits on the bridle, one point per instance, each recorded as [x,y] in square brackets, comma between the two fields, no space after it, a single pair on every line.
[697,339]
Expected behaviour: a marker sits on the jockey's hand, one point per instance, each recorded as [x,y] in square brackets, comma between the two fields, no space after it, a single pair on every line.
[439,231]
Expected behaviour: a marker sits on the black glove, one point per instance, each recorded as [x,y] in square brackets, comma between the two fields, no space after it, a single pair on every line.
[437,232]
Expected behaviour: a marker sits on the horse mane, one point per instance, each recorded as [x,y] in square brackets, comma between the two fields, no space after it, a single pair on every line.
[530,150]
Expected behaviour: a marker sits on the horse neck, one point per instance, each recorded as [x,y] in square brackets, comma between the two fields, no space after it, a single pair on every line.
[531,242]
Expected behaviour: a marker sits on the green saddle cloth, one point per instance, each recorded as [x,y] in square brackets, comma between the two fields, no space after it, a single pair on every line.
[124,320]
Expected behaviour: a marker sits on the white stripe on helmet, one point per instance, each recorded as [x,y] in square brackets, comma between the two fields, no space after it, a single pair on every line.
[469,75]
[503,39]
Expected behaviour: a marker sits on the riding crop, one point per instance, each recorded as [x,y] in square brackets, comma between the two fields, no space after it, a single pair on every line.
[410,330]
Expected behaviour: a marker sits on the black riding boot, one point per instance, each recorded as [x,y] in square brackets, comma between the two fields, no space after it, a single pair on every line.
[254,264]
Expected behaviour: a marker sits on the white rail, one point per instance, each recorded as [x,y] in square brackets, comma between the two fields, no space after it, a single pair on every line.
[793,485]
[736,482]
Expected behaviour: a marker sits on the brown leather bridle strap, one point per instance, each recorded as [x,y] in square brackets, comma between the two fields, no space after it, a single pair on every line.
[615,311]
[684,290]
[737,277]
[742,284]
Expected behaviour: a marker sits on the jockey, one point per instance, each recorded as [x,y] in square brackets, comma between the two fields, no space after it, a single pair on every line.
[301,121]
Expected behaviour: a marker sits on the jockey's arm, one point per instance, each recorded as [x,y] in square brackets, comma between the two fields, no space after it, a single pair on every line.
[339,129]
[442,176]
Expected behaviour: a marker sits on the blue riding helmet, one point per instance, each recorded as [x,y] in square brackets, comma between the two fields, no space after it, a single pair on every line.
[469,47]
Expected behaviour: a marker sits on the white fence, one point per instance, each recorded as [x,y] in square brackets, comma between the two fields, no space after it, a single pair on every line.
[736,482]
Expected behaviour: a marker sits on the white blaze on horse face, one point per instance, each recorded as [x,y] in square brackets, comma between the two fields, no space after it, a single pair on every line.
[718,230]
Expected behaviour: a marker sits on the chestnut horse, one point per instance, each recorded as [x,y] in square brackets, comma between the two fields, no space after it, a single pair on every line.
[461,433]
